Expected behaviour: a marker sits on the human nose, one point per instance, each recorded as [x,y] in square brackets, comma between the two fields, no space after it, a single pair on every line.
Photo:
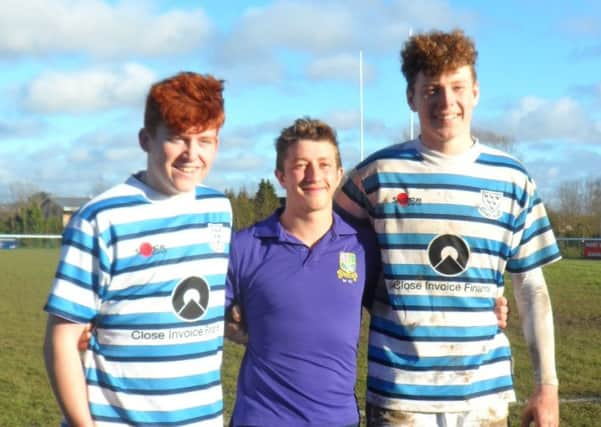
[311,172]
[446,97]
[192,148]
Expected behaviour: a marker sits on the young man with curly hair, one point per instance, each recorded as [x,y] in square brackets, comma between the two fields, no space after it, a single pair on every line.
[146,262]
[452,216]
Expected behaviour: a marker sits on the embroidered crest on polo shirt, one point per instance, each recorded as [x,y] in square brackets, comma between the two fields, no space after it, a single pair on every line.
[490,204]
[347,271]
[218,236]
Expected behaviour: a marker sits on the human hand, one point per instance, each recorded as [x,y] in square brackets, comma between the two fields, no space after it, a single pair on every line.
[501,311]
[542,407]
[234,327]
[84,338]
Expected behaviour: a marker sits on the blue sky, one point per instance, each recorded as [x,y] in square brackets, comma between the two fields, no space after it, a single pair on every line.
[74,75]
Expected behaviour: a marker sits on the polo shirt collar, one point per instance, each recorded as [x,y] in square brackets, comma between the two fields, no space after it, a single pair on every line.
[272,228]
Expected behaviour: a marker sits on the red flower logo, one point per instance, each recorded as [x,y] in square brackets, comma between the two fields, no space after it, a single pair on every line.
[145,249]
[402,199]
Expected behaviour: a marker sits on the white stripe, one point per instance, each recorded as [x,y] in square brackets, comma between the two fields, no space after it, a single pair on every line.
[168,402]
[436,348]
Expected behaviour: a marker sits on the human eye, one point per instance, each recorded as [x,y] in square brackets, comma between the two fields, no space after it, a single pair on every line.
[430,90]
[299,165]
[207,141]
[176,139]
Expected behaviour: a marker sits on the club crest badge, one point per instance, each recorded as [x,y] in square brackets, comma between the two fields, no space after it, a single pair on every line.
[218,237]
[490,204]
[347,271]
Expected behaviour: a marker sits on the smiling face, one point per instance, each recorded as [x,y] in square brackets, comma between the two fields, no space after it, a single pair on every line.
[444,104]
[310,175]
[178,162]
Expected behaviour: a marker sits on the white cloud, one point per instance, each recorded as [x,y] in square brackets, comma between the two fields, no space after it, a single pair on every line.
[343,66]
[106,29]
[325,28]
[536,119]
[88,90]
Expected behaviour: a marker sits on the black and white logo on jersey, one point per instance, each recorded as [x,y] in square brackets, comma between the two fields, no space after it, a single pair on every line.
[190,298]
[449,254]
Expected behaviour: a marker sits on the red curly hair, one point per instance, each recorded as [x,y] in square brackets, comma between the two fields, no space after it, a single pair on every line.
[186,100]
[436,52]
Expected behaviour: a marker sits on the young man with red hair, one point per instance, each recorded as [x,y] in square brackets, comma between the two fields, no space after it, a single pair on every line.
[146,262]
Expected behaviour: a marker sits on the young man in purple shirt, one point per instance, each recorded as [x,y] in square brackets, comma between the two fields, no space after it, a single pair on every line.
[299,278]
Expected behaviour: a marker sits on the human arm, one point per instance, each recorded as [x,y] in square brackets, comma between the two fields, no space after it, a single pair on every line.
[234,325]
[501,311]
[63,366]
[536,317]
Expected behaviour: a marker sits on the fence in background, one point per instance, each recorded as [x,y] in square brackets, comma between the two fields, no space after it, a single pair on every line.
[571,247]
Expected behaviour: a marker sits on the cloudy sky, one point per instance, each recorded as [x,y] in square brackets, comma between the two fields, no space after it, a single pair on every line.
[74,75]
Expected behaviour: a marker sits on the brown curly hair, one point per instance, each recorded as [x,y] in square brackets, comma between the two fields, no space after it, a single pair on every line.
[304,128]
[186,100]
[435,52]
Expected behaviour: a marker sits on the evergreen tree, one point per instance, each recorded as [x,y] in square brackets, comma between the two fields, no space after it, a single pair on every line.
[266,200]
[243,209]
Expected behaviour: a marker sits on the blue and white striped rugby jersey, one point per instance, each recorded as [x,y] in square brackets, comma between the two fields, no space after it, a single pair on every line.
[449,227]
[149,270]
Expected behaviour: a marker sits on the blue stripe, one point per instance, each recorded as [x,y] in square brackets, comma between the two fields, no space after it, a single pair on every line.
[537,228]
[90,211]
[444,363]
[440,210]
[77,276]
[156,320]
[433,333]
[75,237]
[170,256]
[68,309]
[157,289]
[500,161]
[443,392]
[356,196]
[203,192]
[167,224]
[395,152]
[440,303]
[542,257]
[157,353]
[439,181]
[421,242]
[108,413]
[153,386]
[425,272]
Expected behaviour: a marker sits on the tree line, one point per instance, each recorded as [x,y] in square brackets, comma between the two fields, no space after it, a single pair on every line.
[574,212]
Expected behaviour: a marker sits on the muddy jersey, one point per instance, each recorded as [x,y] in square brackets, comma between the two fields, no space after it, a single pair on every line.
[449,227]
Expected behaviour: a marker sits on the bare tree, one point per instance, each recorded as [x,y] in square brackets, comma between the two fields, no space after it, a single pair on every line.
[503,142]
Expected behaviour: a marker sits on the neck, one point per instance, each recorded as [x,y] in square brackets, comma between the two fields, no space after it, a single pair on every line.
[309,227]
[457,145]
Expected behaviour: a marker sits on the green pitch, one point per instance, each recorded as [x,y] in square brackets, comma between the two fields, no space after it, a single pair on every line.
[26,400]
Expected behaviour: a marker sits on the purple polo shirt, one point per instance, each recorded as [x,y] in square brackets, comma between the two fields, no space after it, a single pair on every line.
[302,308]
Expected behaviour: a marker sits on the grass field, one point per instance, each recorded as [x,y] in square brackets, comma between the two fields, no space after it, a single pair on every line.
[25,398]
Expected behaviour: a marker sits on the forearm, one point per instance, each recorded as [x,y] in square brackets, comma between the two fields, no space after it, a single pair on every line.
[536,316]
[63,365]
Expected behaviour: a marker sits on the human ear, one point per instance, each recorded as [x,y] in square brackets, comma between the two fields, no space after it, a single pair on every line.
[411,99]
[279,176]
[144,139]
